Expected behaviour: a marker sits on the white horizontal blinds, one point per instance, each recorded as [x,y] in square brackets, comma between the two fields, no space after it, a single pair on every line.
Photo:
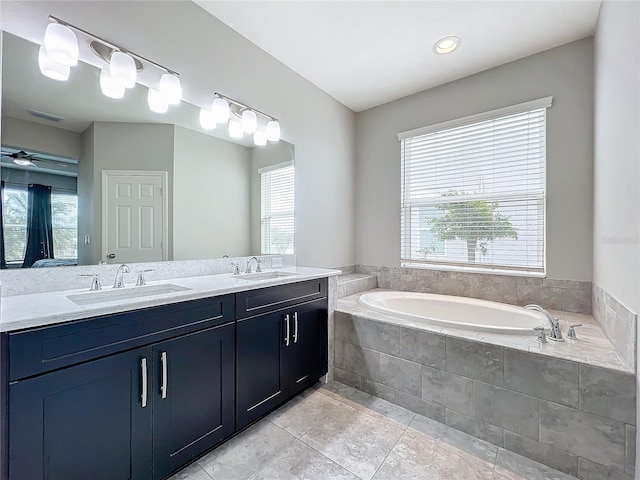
[473,195]
[277,210]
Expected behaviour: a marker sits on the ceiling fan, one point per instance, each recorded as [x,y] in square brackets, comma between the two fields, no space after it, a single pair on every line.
[27,159]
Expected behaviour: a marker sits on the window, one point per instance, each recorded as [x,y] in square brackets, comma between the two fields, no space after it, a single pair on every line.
[277,208]
[14,212]
[64,211]
[473,191]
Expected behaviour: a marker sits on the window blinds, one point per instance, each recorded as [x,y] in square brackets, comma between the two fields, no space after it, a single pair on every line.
[473,194]
[277,209]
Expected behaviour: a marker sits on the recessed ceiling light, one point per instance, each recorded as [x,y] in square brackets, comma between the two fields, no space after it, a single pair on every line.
[446,45]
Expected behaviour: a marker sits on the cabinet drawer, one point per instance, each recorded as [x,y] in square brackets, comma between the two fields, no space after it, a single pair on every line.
[36,351]
[269,299]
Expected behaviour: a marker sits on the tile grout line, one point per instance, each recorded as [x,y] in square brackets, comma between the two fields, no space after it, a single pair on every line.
[391,450]
[276,456]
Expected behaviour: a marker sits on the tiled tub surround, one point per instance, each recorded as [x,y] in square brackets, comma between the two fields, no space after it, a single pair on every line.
[350,283]
[552,294]
[618,322]
[575,413]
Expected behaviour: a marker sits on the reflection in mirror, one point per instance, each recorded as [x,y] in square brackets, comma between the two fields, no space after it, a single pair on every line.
[125,184]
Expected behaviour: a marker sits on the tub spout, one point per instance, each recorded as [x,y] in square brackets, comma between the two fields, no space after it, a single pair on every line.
[556,332]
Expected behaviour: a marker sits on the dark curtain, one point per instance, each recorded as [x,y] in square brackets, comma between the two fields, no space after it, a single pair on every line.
[3,258]
[39,225]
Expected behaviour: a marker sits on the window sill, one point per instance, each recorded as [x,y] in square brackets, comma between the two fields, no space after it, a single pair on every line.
[462,269]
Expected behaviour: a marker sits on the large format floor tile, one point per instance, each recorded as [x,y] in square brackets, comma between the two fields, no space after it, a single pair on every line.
[355,440]
[415,457]
[300,461]
[247,453]
[335,432]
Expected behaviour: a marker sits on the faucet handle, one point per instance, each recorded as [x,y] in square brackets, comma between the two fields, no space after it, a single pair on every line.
[542,336]
[571,334]
[95,281]
[140,282]
[259,265]
[236,268]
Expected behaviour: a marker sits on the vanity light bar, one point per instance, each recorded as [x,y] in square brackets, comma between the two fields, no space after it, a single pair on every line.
[245,107]
[112,46]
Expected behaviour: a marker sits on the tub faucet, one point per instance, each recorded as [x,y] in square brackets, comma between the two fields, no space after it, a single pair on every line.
[119,281]
[556,332]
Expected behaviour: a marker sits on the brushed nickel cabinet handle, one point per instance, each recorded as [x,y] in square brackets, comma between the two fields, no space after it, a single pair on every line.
[143,368]
[286,338]
[295,327]
[165,378]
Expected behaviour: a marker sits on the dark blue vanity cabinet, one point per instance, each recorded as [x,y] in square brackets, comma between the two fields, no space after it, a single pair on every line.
[281,345]
[138,395]
[164,398]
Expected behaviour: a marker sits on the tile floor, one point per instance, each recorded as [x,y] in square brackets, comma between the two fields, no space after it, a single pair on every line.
[337,432]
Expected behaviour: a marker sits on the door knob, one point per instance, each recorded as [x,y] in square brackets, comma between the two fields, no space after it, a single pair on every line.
[111,255]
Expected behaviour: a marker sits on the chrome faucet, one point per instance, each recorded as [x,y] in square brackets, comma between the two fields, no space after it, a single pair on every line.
[258,269]
[119,281]
[95,281]
[556,332]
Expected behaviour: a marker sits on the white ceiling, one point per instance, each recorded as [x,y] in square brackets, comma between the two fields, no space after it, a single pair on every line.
[366,53]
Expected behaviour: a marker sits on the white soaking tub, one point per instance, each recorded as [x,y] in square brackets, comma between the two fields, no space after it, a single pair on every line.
[456,312]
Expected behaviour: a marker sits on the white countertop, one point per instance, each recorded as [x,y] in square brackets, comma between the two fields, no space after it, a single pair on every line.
[41,309]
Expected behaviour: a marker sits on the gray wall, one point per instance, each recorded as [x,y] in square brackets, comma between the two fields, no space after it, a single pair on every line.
[119,146]
[86,201]
[36,137]
[25,177]
[617,152]
[617,165]
[179,34]
[566,74]
[211,197]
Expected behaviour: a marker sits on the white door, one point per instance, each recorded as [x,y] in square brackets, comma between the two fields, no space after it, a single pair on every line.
[134,216]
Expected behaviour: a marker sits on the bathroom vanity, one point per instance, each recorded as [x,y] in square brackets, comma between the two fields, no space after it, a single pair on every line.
[139,393]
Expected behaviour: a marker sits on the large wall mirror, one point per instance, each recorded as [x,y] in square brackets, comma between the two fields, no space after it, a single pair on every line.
[214,197]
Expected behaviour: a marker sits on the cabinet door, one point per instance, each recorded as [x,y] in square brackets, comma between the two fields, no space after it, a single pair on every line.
[82,422]
[305,360]
[193,396]
[259,384]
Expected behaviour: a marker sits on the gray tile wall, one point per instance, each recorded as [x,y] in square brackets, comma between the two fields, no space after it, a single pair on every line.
[574,417]
[618,322]
[552,294]
[352,283]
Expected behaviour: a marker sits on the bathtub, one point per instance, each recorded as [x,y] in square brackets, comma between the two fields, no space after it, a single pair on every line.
[456,312]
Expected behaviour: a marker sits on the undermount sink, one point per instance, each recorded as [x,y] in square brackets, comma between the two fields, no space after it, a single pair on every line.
[264,275]
[118,294]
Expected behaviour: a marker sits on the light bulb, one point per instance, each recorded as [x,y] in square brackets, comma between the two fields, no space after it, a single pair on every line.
[235,129]
[109,87]
[220,109]
[123,69]
[249,121]
[273,130]
[50,68]
[171,88]
[260,138]
[206,119]
[61,44]
[157,102]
